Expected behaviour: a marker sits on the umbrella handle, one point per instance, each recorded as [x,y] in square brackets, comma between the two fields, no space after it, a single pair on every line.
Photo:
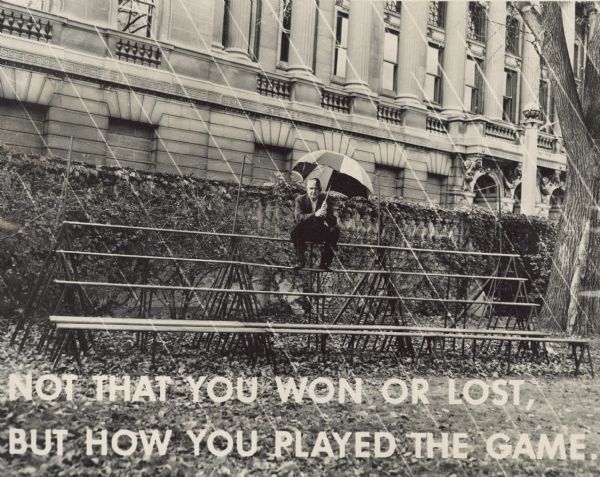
[325,201]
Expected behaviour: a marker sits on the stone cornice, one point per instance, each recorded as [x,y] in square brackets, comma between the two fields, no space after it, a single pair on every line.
[104,72]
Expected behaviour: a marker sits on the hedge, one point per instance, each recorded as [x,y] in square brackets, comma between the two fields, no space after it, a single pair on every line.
[35,197]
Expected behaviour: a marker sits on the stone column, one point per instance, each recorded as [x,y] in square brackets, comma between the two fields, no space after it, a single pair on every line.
[454,57]
[494,59]
[218,17]
[239,28]
[530,71]
[529,172]
[302,38]
[360,24]
[458,195]
[412,53]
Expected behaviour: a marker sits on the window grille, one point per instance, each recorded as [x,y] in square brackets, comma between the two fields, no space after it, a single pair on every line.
[136,17]
[513,34]
[437,14]
[476,21]
[393,6]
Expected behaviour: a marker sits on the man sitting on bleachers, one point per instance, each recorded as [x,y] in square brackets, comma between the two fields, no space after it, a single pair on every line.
[315,222]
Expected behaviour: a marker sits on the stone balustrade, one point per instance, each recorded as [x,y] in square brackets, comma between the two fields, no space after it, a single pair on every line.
[436,125]
[273,87]
[390,114]
[138,52]
[275,217]
[25,25]
[546,141]
[340,103]
[500,131]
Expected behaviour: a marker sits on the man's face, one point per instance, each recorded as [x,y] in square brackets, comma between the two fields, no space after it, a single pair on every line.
[313,190]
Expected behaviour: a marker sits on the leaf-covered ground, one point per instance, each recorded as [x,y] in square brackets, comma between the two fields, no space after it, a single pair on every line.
[552,402]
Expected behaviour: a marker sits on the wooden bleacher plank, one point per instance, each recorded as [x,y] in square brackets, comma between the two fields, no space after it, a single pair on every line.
[317,331]
[281,239]
[149,327]
[290,293]
[269,325]
[287,267]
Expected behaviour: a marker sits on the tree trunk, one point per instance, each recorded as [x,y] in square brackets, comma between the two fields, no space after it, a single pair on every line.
[547,27]
[564,260]
[589,297]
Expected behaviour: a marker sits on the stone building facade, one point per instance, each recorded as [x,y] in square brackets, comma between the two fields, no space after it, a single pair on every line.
[445,102]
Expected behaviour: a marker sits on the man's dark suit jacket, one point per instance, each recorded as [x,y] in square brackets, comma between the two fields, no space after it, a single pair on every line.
[303,211]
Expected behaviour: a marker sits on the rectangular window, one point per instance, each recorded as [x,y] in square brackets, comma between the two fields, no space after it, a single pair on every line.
[581,21]
[578,60]
[543,100]
[390,182]
[509,102]
[546,107]
[437,14]
[286,26]
[22,126]
[136,17]
[513,35]
[268,163]
[130,144]
[255,16]
[474,86]
[390,60]
[433,80]
[225,34]
[341,45]
[476,22]
[436,188]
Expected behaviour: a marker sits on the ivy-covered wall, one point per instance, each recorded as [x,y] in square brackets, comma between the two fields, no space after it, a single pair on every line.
[36,195]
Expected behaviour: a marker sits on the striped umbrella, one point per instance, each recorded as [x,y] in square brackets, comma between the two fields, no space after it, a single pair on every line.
[337,172]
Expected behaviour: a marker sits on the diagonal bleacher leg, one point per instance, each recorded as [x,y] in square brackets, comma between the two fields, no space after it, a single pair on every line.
[589,355]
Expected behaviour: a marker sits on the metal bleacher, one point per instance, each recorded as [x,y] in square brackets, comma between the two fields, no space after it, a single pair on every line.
[145,280]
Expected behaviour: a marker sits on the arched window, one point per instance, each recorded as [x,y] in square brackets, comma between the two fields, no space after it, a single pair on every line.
[513,32]
[556,203]
[486,192]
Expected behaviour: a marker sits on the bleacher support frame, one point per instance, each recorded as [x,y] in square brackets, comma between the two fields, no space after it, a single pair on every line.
[374,302]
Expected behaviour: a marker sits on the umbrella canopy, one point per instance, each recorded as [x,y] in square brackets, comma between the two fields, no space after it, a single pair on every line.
[337,172]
